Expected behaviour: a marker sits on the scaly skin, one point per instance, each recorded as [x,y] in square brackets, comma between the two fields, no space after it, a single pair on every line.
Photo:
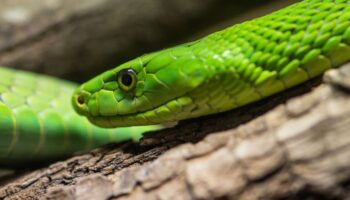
[224,70]
[37,121]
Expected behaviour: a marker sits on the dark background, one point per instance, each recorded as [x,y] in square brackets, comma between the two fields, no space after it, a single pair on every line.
[76,39]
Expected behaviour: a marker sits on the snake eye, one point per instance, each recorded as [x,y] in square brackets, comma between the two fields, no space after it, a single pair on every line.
[127,79]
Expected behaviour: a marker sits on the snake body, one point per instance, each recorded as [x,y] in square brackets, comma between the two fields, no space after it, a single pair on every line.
[222,71]
[37,121]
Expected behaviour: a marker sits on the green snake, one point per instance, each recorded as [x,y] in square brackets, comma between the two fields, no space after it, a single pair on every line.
[222,71]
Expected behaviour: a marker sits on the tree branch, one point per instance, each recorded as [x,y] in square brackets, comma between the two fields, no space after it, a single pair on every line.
[294,149]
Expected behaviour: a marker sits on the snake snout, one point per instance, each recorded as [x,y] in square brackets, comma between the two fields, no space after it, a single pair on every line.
[80,101]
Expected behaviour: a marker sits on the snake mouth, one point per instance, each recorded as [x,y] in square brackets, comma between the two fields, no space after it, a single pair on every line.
[170,111]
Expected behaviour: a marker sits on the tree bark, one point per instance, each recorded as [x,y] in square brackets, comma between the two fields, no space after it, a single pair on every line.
[273,149]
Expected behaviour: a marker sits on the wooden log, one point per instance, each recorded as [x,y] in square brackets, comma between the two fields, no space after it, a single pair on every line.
[279,148]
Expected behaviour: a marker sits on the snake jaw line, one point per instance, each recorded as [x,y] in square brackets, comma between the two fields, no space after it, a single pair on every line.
[171,111]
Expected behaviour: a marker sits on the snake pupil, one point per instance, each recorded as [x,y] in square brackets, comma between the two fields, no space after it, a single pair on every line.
[127,79]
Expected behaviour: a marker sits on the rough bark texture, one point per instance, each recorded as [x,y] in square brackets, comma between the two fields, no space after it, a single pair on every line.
[76,39]
[273,149]
[294,145]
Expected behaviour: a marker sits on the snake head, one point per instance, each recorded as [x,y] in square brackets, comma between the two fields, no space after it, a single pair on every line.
[151,89]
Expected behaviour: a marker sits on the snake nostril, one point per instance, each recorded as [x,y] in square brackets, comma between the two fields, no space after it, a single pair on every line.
[81,99]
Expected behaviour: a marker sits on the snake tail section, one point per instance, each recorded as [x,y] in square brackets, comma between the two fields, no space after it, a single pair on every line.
[37,121]
[224,70]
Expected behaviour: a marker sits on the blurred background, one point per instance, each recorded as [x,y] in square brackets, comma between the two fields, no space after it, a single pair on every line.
[76,39]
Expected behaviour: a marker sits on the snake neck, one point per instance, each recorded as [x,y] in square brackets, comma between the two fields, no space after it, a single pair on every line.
[231,68]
